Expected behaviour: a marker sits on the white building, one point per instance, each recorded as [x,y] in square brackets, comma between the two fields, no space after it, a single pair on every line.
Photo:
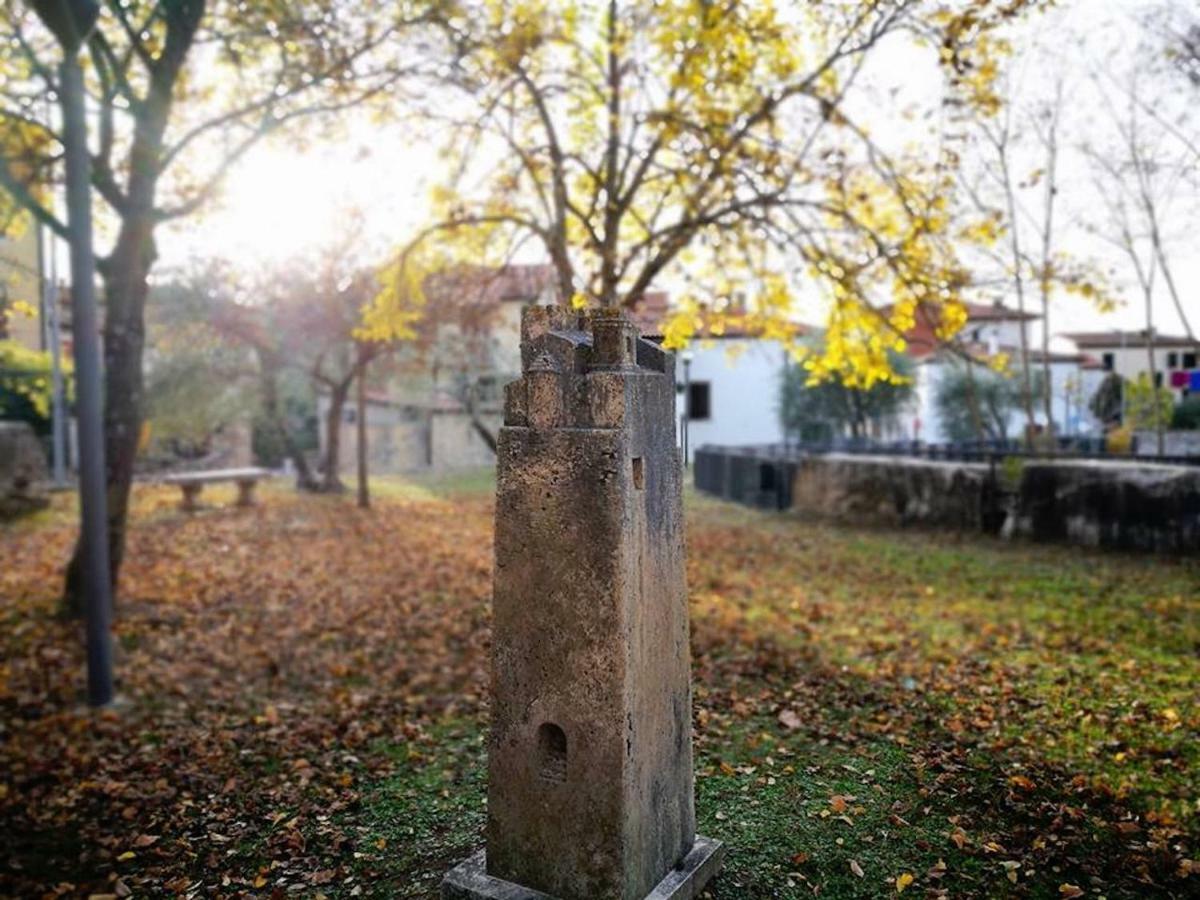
[993,329]
[732,391]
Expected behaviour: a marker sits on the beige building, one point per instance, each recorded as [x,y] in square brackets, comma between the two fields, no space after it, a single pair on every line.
[445,411]
[20,286]
[1176,358]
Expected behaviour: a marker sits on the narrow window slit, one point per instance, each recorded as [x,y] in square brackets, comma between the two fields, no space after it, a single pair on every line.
[552,753]
[639,474]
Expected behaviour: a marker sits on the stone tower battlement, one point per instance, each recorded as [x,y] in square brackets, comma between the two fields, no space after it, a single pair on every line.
[575,368]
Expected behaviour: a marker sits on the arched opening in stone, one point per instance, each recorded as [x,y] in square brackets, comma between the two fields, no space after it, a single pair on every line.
[552,753]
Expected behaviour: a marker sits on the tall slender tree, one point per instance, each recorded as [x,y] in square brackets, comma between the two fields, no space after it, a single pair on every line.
[180,90]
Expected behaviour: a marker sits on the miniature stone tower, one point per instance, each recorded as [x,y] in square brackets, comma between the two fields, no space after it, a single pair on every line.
[590,792]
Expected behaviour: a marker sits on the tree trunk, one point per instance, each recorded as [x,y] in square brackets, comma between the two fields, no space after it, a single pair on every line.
[331,481]
[1155,406]
[481,429]
[305,480]
[125,288]
[973,403]
[1019,285]
[364,490]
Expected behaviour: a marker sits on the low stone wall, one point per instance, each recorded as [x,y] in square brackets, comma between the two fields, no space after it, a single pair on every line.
[22,471]
[1125,505]
[896,491]
[1128,505]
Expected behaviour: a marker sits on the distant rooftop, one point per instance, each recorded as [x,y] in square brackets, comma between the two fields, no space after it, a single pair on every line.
[1105,340]
[922,337]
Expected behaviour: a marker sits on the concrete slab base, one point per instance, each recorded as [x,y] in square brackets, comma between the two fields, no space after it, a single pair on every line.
[469,880]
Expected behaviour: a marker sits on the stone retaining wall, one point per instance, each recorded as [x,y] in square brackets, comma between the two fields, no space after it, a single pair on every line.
[1126,505]
[1133,506]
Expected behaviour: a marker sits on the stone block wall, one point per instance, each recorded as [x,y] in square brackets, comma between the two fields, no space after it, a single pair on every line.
[1127,505]
[22,471]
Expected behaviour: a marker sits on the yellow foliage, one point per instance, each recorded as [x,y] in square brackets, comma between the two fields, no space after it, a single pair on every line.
[693,172]
[27,373]
[1119,440]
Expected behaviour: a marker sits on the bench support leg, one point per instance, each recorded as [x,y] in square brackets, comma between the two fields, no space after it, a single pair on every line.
[246,493]
[190,494]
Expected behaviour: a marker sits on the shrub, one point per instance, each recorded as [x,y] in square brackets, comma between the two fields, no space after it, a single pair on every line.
[1187,414]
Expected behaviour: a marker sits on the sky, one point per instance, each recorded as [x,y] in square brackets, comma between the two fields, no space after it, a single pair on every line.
[281,203]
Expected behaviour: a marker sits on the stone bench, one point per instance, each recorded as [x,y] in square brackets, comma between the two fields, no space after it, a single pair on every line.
[192,483]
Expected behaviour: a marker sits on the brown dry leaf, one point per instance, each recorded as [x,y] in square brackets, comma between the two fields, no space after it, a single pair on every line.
[1023,782]
[1070,890]
[856,868]
[837,803]
[789,719]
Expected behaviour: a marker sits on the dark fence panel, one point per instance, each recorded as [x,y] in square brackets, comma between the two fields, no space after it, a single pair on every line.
[749,478]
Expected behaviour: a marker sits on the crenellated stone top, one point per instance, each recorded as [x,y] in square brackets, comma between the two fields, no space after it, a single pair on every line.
[575,365]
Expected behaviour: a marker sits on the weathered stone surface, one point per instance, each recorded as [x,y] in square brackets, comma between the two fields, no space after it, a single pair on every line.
[22,471]
[1122,505]
[470,881]
[894,490]
[590,762]
[1125,504]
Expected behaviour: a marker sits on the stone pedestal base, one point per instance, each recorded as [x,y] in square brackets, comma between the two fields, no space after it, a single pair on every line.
[470,881]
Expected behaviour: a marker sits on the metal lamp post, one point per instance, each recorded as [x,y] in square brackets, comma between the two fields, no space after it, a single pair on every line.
[71,21]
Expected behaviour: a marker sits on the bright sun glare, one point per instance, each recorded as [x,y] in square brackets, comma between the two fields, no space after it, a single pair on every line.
[283,203]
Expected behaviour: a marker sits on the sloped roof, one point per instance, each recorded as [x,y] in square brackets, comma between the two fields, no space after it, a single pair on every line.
[1116,339]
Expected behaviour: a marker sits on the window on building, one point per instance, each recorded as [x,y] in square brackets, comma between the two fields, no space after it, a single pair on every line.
[699,404]
[1158,379]
[1109,361]
[1172,360]
[1189,360]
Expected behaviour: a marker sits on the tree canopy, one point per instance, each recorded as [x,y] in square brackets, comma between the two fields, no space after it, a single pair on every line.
[712,143]
[977,403]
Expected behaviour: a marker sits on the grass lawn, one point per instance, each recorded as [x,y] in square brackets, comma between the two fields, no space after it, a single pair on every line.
[305,706]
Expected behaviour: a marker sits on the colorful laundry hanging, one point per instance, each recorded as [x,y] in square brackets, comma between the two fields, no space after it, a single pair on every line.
[1194,381]
[1179,379]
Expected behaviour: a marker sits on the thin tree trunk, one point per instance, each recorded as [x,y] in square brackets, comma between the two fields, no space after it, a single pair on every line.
[1019,284]
[973,402]
[331,480]
[305,480]
[364,491]
[1158,423]
[477,423]
[1051,194]
[608,253]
